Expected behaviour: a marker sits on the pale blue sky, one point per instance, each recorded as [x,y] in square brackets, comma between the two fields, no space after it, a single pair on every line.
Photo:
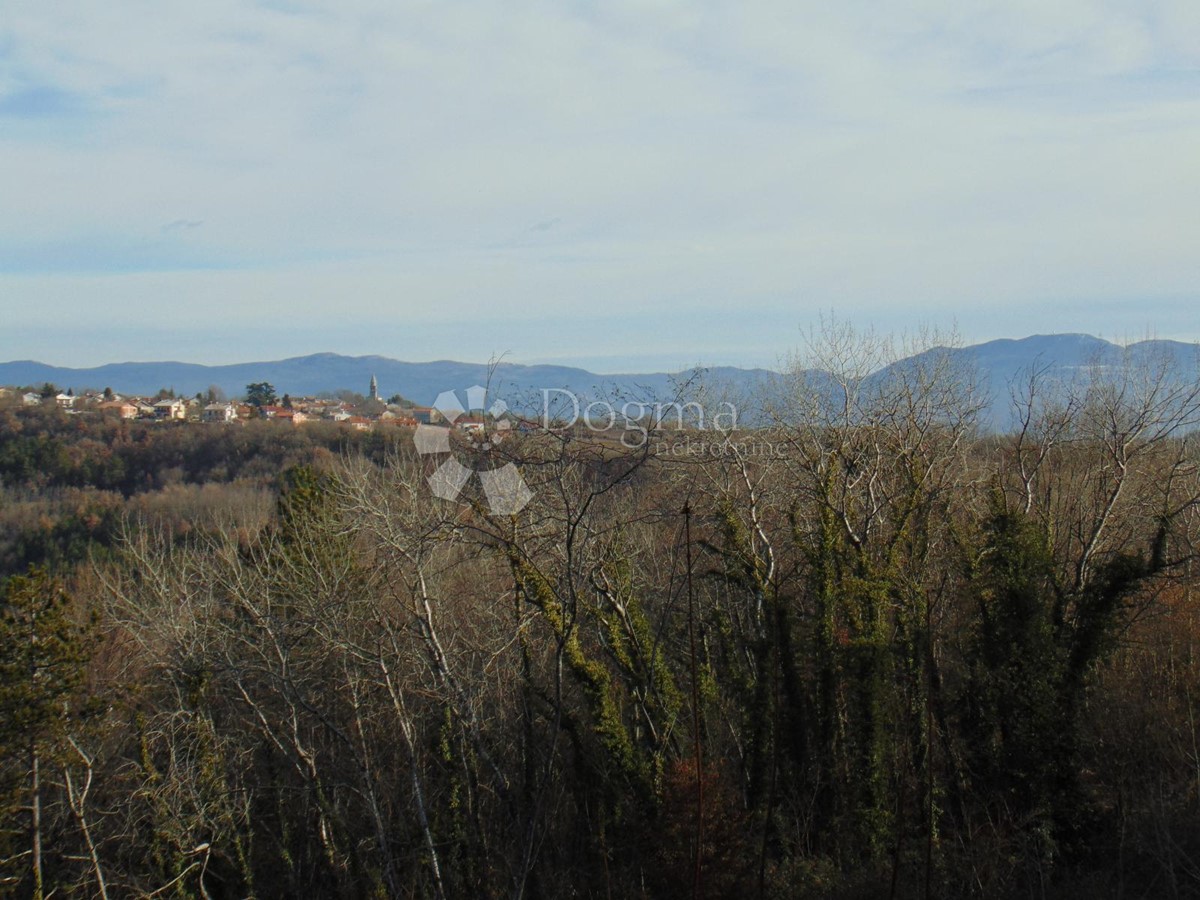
[620,185]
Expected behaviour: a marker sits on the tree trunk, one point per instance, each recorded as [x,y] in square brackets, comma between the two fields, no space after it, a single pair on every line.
[35,816]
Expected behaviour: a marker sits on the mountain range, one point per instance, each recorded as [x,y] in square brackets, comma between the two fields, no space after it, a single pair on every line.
[997,362]
[329,372]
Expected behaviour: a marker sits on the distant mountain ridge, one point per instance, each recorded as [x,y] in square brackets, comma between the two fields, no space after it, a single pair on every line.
[1059,357]
[998,362]
[330,372]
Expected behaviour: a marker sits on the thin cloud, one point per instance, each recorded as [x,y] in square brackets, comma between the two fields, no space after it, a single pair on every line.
[369,162]
[40,102]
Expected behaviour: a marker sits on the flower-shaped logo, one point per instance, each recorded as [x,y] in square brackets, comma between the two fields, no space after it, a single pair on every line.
[504,487]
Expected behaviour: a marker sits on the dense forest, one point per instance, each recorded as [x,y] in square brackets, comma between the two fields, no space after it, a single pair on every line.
[868,650]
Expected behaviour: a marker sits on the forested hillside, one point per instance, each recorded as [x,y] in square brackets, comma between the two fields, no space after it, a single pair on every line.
[865,652]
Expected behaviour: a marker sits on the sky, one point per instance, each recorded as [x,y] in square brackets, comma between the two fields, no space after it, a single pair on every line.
[627,186]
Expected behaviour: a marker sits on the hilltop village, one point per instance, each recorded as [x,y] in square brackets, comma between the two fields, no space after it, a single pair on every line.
[363,413]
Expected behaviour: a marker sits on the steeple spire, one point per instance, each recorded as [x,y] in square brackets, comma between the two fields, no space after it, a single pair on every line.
[374,388]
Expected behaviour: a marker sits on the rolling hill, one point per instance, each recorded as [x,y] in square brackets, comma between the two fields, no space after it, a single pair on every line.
[997,363]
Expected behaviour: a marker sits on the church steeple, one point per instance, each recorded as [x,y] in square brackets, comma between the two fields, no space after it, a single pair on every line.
[374,388]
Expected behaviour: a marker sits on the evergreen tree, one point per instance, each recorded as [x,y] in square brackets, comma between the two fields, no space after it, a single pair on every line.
[260,393]
[42,656]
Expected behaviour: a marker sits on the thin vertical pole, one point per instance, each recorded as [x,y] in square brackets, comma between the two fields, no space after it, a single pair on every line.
[696,744]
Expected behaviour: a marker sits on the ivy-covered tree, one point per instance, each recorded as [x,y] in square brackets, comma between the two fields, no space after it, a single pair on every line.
[42,658]
[1035,648]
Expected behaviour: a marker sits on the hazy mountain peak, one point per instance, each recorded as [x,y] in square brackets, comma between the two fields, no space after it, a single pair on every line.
[998,363]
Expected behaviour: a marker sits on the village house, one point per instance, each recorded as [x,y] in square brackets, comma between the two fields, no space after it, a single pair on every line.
[399,420]
[290,416]
[219,413]
[470,423]
[426,415]
[170,409]
[122,408]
